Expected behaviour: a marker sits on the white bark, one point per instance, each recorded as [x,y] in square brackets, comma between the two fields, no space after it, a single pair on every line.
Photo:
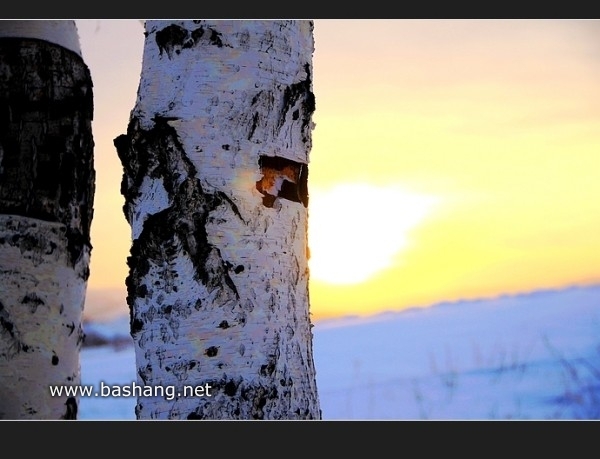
[215,174]
[46,195]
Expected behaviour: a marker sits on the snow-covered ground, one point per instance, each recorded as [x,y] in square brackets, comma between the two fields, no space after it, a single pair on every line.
[534,356]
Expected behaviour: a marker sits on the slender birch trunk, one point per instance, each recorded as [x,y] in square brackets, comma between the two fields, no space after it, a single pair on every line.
[46,199]
[215,185]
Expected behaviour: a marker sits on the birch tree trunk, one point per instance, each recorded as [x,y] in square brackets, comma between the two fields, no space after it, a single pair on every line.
[215,185]
[46,199]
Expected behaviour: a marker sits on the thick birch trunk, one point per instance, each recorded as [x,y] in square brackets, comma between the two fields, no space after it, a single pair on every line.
[46,197]
[215,182]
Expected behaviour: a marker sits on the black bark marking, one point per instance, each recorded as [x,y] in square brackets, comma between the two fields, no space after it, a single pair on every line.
[282,178]
[212,351]
[32,301]
[268,369]
[6,324]
[220,196]
[243,400]
[80,335]
[215,38]
[10,334]
[270,398]
[145,373]
[259,396]
[142,291]
[171,38]
[289,332]
[135,325]
[71,411]
[70,327]
[180,369]
[47,171]
[54,360]
[254,125]
[224,324]
[230,388]
[157,153]
[291,106]
[231,285]
[174,38]
[76,242]
[299,93]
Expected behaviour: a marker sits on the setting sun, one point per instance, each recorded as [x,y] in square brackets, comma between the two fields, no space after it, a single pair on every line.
[356,229]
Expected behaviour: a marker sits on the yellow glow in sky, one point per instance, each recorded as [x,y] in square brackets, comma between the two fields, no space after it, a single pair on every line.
[451,159]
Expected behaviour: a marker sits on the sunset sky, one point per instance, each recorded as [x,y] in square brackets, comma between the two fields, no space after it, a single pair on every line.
[451,159]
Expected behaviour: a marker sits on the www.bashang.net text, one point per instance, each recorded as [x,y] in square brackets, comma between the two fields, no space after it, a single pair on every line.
[131,390]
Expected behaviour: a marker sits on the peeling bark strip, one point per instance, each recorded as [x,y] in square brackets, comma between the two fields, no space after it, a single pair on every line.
[282,178]
[215,183]
[46,196]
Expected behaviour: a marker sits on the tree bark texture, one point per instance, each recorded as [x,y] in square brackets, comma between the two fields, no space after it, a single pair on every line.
[215,183]
[46,207]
